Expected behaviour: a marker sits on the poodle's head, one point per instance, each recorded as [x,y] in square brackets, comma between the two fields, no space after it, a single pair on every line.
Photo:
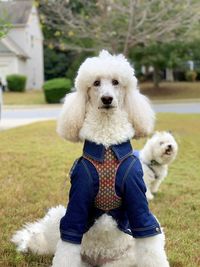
[107,83]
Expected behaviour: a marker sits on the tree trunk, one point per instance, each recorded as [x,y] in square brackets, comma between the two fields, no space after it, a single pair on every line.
[156,78]
[130,23]
[169,75]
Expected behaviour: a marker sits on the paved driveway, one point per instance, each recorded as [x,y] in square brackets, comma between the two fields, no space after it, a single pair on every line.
[12,117]
[53,112]
[30,113]
[193,107]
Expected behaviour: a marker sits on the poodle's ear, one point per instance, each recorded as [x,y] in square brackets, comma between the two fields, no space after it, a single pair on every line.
[154,133]
[72,116]
[140,113]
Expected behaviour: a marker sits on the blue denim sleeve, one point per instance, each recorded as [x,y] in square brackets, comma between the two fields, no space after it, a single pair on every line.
[142,222]
[74,224]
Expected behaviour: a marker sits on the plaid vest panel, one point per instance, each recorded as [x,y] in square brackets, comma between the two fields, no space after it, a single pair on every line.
[107,198]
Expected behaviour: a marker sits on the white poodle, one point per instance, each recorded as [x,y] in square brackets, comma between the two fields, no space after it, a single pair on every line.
[158,152]
[107,221]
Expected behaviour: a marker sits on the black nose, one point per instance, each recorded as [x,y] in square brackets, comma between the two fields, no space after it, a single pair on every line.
[169,147]
[106,100]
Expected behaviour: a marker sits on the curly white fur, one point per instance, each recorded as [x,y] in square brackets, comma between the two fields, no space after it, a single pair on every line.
[85,116]
[150,252]
[68,255]
[40,237]
[158,152]
[103,241]
[80,105]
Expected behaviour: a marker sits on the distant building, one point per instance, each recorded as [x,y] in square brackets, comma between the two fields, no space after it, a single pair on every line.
[21,51]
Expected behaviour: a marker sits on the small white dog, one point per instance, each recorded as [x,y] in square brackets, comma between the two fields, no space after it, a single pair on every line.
[107,221]
[158,152]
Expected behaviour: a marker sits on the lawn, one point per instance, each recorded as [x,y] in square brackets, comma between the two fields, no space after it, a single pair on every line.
[32,97]
[167,91]
[171,91]
[33,175]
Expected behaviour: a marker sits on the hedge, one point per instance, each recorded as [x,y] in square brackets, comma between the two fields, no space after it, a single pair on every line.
[16,82]
[56,89]
[191,75]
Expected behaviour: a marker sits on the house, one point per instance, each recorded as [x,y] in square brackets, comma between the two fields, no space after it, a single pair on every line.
[21,51]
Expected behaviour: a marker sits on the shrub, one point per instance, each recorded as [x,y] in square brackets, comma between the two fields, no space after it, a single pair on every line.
[56,89]
[191,75]
[16,82]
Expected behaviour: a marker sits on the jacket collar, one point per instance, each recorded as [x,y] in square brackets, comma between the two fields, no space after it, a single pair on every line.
[96,152]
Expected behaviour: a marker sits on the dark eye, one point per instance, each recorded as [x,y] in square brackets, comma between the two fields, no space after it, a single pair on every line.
[97,83]
[115,82]
[161,143]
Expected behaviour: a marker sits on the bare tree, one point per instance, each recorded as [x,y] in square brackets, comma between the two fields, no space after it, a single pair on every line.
[118,25]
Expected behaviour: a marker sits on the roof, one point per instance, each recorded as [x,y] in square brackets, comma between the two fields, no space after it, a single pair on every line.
[16,12]
[4,49]
[9,46]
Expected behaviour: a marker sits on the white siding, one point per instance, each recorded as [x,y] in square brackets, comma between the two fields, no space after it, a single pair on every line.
[18,34]
[30,39]
[22,66]
[35,63]
[8,65]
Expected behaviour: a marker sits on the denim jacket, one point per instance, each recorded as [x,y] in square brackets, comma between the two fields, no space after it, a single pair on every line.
[132,216]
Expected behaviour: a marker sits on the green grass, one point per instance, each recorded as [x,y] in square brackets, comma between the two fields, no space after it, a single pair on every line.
[24,98]
[33,175]
[167,91]
[170,91]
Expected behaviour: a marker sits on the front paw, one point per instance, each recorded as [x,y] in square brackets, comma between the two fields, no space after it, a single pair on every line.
[152,263]
[149,196]
[67,255]
[64,261]
[154,190]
